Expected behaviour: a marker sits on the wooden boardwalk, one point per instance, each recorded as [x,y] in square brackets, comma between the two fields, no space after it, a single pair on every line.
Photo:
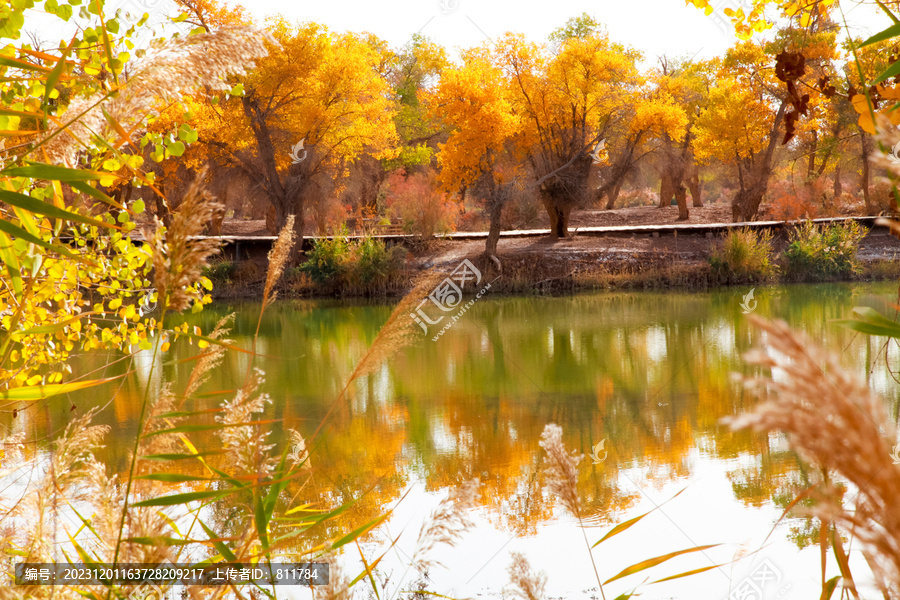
[703,229]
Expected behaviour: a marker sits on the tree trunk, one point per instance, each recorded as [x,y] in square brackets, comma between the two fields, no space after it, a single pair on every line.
[613,195]
[866,142]
[693,182]
[754,183]
[681,196]
[838,187]
[746,203]
[490,246]
[666,189]
[284,203]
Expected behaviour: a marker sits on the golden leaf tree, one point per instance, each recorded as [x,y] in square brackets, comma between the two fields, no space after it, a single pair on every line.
[315,104]
[566,99]
[474,102]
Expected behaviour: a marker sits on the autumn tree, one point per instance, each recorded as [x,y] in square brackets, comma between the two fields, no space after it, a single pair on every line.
[742,121]
[565,99]
[473,101]
[296,123]
[687,83]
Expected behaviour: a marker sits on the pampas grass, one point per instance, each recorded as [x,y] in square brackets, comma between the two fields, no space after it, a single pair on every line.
[178,259]
[832,420]
[278,257]
[179,66]
[446,524]
[525,583]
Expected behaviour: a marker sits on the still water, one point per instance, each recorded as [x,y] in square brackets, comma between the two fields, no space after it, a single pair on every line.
[647,374]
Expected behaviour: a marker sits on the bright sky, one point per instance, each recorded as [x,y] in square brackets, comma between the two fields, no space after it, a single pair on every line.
[656,27]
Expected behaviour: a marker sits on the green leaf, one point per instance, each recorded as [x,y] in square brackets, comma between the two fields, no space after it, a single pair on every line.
[892,70]
[84,188]
[171,477]
[180,456]
[55,74]
[18,232]
[159,541]
[138,206]
[652,562]
[175,499]
[52,173]
[222,547]
[623,526]
[870,321]
[359,531]
[829,587]
[43,208]
[39,392]
[194,428]
[175,148]
[890,32]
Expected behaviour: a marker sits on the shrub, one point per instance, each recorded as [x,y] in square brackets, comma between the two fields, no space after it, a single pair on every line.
[365,266]
[745,256]
[327,260]
[823,253]
[220,272]
[419,205]
[789,202]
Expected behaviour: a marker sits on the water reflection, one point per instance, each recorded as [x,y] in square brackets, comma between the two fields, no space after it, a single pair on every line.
[647,372]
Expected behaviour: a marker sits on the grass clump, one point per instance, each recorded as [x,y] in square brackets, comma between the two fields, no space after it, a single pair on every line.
[221,272]
[355,267]
[821,254]
[745,256]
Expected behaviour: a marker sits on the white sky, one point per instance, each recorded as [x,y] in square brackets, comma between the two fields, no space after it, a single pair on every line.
[656,27]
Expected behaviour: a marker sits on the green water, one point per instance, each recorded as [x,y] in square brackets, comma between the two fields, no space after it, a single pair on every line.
[649,374]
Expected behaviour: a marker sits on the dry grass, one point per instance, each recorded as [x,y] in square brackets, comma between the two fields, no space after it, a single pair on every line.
[177,67]
[834,421]
[525,583]
[446,524]
[179,260]
[278,258]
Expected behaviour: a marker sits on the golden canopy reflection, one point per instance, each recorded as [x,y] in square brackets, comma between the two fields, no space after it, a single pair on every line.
[649,373]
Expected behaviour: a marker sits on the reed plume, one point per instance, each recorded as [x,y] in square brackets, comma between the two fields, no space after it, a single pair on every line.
[246,444]
[562,479]
[398,331]
[211,357]
[173,69]
[446,524]
[178,260]
[525,583]
[833,420]
[338,587]
[563,468]
[278,257]
[298,455]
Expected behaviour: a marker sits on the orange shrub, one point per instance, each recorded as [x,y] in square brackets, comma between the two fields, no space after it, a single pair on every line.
[420,206]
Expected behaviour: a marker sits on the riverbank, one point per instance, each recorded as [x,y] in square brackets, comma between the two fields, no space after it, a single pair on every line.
[546,266]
